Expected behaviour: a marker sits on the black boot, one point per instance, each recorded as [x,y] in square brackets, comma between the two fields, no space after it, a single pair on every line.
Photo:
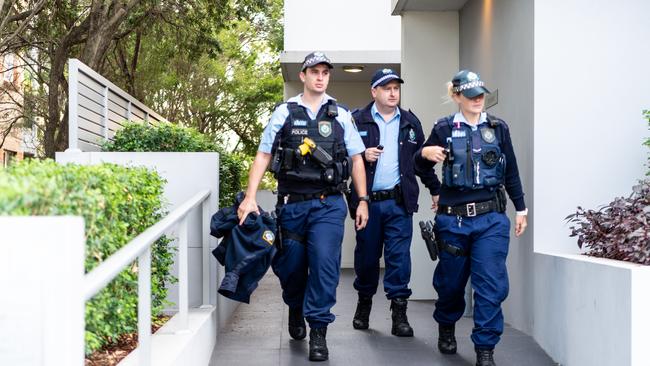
[362,315]
[401,326]
[484,357]
[297,327]
[446,339]
[318,345]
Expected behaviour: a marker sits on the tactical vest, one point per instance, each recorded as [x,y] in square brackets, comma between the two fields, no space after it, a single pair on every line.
[474,158]
[304,174]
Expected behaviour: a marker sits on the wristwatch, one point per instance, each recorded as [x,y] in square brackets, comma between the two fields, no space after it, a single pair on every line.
[365,198]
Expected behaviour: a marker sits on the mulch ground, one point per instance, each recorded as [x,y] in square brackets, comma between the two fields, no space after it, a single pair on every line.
[111,355]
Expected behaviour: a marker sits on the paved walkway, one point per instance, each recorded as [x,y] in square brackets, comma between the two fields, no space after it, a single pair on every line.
[258,336]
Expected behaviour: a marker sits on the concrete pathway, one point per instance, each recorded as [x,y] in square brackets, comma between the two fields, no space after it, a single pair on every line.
[258,336]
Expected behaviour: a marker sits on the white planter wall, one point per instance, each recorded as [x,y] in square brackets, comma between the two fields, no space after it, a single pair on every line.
[186,174]
[592,311]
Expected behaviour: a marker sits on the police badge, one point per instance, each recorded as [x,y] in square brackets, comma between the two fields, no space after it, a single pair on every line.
[325,128]
[411,135]
[268,237]
[488,135]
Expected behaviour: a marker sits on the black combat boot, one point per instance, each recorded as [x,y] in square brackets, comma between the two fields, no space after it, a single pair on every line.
[297,327]
[318,345]
[401,326]
[484,357]
[362,315]
[446,339]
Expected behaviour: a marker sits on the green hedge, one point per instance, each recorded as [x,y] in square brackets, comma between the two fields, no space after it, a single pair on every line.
[117,203]
[172,138]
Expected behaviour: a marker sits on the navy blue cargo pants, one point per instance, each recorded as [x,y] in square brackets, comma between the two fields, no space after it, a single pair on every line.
[309,271]
[389,228]
[486,237]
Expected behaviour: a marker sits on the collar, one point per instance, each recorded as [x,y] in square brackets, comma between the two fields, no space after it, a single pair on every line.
[375,113]
[458,118]
[298,99]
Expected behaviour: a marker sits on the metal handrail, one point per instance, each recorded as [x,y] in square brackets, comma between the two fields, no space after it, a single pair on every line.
[140,247]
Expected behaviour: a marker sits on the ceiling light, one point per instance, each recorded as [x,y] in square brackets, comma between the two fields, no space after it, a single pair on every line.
[353,68]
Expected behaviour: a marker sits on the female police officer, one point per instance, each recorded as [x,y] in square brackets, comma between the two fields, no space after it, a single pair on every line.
[471,225]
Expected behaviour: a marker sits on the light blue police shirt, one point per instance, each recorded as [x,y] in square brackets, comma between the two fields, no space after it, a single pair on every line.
[387,170]
[458,118]
[353,143]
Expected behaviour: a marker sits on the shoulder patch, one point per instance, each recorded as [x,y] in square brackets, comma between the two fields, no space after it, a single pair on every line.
[268,237]
[343,106]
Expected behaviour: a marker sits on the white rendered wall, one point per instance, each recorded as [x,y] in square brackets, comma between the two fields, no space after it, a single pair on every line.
[41,302]
[591,83]
[340,25]
[429,59]
[496,40]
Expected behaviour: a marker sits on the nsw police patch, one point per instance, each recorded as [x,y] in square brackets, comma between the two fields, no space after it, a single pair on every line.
[268,237]
[325,128]
[411,135]
[488,135]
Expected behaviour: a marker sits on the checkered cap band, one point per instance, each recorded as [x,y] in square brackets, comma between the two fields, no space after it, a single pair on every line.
[470,85]
[315,60]
[384,78]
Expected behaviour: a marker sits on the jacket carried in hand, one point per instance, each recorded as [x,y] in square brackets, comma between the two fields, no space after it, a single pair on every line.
[246,250]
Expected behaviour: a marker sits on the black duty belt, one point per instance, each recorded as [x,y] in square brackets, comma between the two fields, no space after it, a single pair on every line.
[395,193]
[470,209]
[284,199]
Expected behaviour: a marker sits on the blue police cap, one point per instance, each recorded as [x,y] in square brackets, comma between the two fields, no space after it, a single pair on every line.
[469,83]
[314,59]
[383,77]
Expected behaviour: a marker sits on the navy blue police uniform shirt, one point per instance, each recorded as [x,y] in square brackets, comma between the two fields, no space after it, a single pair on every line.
[453,197]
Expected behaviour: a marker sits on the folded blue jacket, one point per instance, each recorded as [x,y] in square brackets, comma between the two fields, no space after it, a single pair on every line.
[246,250]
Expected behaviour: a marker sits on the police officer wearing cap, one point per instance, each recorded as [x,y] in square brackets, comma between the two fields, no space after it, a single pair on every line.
[471,226]
[314,149]
[391,136]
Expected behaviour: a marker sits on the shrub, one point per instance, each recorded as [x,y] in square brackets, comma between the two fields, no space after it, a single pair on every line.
[621,229]
[172,138]
[117,204]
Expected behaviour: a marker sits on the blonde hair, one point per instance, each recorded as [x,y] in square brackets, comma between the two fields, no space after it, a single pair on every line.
[450,93]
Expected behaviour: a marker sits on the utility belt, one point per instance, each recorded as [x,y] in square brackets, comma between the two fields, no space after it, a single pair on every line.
[284,199]
[496,204]
[395,193]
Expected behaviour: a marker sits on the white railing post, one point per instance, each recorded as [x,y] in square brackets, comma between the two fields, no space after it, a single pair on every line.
[144,308]
[205,251]
[183,293]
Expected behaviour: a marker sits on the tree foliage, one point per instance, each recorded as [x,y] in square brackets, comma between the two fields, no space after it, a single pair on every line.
[211,64]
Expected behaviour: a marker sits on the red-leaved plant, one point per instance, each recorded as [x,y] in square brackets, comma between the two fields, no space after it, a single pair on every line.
[619,230]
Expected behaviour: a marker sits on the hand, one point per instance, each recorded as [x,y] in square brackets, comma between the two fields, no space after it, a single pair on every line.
[247,206]
[372,154]
[434,202]
[521,221]
[361,219]
[434,153]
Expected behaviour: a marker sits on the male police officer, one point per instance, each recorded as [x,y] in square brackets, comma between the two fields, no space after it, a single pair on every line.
[315,149]
[392,136]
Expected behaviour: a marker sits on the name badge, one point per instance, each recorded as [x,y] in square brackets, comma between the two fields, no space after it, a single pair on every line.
[363,133]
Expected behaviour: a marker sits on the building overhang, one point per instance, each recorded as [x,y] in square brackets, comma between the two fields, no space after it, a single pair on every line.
[369,61]
[400,6]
